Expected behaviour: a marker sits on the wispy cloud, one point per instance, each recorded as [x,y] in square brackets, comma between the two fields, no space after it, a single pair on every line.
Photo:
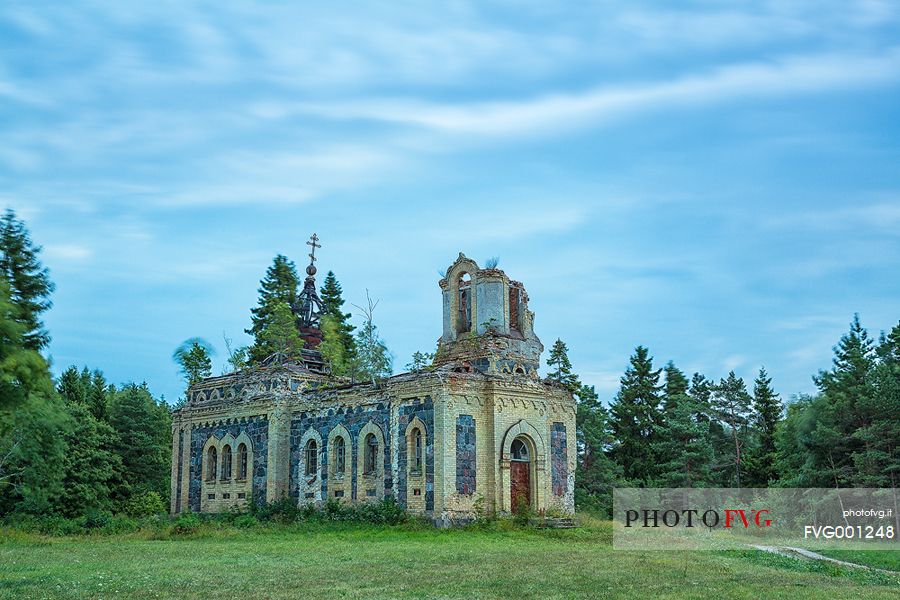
[551,112]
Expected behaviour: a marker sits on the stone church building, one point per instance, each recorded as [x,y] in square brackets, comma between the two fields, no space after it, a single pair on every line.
[477,430]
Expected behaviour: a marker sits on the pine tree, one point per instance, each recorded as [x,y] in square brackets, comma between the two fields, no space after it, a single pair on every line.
[29,285]
[636,417]
[731,401]
[279,286]
[143,443]
[562,367]
[332,301]
[193,357]
[767,412]
[71,387]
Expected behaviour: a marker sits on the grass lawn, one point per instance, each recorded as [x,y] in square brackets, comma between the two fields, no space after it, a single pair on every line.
[878,559]
[335,561]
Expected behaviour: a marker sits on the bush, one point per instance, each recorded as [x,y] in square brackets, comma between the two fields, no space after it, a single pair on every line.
[96,519]
[57,525]
[245,521]
[186,524]
[145,504]
[523,513]
[120,524]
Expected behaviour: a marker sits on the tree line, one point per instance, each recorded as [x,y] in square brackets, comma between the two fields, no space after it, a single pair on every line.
[79,444]
[663,429]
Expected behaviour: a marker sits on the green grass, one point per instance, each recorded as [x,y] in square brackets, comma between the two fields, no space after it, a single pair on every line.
[880,559]
[410,561]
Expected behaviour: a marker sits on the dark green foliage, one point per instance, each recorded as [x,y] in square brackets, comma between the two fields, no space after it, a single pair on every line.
[279,286]
[636,418]
[280,338]
[193,358]
[28,281]
[731,405]
[596,473]
[675,389]
[144,441]
[420,361]
[86,388]
[144,504]
[333,349]
[683,447]
[562,366]
[90,465]
[767,412]
[332,303]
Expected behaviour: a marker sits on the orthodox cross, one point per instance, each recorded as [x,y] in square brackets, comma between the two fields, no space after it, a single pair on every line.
[312,242]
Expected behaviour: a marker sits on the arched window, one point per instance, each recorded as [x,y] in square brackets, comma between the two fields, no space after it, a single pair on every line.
[226,463]
[242,461]
[340,456]
[211,464]
[371,454]
[417,449]
[312,458]
[464,321]
[519,450]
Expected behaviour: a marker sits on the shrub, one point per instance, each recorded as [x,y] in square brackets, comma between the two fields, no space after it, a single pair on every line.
[523,511]
[96,519]
[187,523]
[146,504]
[57,525]
[245,521]
[120,524]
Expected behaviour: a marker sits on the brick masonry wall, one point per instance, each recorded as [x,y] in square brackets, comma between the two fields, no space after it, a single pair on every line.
[559,459]
[258,432]
[465,455]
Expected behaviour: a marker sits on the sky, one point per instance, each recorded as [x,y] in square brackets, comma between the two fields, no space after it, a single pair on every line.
[718,181]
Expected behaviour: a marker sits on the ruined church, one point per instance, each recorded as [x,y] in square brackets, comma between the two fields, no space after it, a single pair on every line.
[477,430]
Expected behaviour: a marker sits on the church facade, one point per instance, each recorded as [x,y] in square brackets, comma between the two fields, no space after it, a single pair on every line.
[477,430]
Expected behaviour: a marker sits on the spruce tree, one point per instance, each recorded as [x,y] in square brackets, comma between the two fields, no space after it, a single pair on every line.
[595,473]
[676,387]
[731,402]
[331,295]
[333,349]
[636,417]
[683,447]
[767,412]
[280,338]
[28,281]
[143,443]
[279,286]
[562,367]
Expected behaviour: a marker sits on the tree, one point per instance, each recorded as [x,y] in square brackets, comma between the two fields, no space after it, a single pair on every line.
[420,361]
[90,464]
[280,337]
[595,473]
[683,446]
[193,357]
[333,349]
[279,286]
[559,360]
[636,417]
[238,358]
[731,402]
[86,388]
[144,441]
[28,282]
[675,390]
[332,301]
[767,411]
[31,419]
[373,360]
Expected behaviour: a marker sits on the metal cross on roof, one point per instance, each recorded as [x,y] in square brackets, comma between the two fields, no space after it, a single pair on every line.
[312,242]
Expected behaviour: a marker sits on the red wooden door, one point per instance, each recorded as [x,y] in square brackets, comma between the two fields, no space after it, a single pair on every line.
[519,482]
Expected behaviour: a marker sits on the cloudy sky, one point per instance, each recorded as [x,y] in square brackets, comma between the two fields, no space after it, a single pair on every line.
[719,181]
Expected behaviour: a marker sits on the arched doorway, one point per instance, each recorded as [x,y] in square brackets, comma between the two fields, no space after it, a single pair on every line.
[521,455]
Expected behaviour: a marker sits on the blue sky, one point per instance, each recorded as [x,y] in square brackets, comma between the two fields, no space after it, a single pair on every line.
[718,180]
